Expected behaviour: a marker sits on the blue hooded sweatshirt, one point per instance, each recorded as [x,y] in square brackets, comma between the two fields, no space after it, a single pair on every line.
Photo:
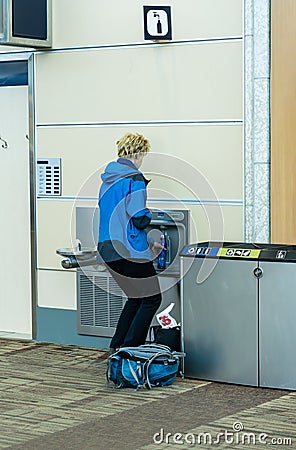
[123,213]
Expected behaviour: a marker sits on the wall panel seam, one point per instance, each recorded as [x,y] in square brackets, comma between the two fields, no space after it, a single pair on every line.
[144,123]
[137,44]
[225,202]
[46,269]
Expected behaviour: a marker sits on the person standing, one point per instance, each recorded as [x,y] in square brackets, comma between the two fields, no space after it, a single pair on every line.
[123,243]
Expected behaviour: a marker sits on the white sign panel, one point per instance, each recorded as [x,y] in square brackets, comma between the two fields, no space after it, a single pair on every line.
[157,23]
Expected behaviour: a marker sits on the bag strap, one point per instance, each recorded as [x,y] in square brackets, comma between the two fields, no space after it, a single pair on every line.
[118,371]
[134,374]
[147,365]
[160,346]
[143,352]
[108,373]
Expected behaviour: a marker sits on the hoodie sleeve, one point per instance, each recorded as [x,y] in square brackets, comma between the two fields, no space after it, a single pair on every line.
[136,203]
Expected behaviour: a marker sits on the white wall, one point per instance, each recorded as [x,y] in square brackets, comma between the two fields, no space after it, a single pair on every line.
[15,273]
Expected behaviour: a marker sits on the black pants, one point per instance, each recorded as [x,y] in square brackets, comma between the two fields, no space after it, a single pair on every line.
[140,283]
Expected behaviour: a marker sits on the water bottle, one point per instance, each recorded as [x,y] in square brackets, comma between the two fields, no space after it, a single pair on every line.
[161,261]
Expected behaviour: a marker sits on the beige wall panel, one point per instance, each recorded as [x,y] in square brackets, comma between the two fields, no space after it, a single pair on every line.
[57,289]
[202,162]
[54,229]
[84,153]
[206,220]
[10,49]
[211,222]
[112,22]
[213,154]
[183,82]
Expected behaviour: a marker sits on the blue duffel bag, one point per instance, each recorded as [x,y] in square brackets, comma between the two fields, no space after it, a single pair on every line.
[144,366]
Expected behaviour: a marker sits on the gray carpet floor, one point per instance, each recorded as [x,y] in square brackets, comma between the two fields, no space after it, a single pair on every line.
[56,397]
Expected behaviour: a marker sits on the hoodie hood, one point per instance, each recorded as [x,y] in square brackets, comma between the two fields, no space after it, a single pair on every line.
[116,170]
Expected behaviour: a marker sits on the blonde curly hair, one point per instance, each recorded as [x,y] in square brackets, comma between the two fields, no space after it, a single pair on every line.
[131,144]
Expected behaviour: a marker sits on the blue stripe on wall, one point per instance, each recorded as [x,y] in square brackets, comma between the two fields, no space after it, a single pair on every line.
[13,73]
[59,326]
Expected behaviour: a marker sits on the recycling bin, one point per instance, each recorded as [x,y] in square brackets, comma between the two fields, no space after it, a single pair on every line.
[238,311]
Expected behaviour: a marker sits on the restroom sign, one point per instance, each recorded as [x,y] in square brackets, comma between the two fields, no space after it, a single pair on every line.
[157,23]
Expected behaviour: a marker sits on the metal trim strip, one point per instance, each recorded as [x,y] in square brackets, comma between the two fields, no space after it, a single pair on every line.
[228,39]
[221,202]
[33,219]
[145,123]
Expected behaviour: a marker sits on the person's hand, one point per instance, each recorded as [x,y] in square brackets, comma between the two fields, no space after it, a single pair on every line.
[156,248]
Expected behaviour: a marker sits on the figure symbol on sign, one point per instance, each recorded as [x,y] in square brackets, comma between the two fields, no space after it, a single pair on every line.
[159,26]
[281,254]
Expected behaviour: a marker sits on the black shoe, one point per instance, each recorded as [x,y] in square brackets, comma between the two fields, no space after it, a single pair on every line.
[112,350]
